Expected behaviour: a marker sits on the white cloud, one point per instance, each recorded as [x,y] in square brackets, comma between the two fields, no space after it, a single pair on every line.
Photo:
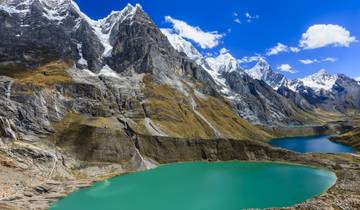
[279,48]
[357,79]
[224,51]
[250,17]
[204,39]
[286,68]
[294,49]
[249,59]
[322,35]
[311,61]
[237,20]
[329,59]
[308,61]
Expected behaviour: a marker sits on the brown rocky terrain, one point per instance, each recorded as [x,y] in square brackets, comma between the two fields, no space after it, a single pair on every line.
[352,137]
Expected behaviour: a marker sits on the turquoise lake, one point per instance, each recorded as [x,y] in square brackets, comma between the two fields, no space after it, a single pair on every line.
[320,144]
[204,186]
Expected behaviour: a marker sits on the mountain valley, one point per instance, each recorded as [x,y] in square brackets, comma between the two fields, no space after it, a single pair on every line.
[83,100]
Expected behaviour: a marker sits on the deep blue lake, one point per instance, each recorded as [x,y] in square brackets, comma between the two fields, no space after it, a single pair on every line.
[320,144]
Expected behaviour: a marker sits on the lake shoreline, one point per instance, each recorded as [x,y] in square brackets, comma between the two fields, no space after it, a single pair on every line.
[317,144]
[193,176]
[345,166]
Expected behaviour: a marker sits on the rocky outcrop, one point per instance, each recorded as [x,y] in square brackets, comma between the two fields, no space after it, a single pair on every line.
[168,150]
[350,136]
[259,103]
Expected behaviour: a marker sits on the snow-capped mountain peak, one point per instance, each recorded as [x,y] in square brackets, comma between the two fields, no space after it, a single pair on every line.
[181,45]
[186,47]
[103,27]
[321,80]
[262,71]
[224,62]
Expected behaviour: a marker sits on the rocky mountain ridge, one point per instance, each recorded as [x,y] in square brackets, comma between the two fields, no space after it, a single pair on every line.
[332,93]
[262,71]
[253,94]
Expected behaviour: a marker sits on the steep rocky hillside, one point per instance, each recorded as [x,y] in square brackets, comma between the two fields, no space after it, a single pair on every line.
[351,138]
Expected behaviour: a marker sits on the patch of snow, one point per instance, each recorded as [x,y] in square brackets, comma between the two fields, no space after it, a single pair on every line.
[321,80]
[294,85]
[262,71]
[8,90]
[108,72]
[215,66]
[56,10]
[103,27]
[225,62]
[181,45]
[81,61]
[11,7]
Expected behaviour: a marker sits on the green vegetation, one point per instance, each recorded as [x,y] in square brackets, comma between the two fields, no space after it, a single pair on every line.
[351,138]
[173,113]
[43,76]
[317,116]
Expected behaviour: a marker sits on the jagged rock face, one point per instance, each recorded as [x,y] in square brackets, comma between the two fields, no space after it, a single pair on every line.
[254,100]
[22,45]
[262,71]
[37,31]
[347,93]
[330,92]
[139,46]
[257,101]
[295,97]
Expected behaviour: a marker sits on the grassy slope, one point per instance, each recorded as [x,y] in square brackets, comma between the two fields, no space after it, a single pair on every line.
[44,76]
[174,114]
[319,117]
[171,111]
[351,138]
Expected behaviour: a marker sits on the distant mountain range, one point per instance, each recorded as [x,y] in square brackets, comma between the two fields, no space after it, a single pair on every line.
[337,93]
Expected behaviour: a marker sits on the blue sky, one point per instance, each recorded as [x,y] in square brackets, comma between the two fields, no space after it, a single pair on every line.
[332,43]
